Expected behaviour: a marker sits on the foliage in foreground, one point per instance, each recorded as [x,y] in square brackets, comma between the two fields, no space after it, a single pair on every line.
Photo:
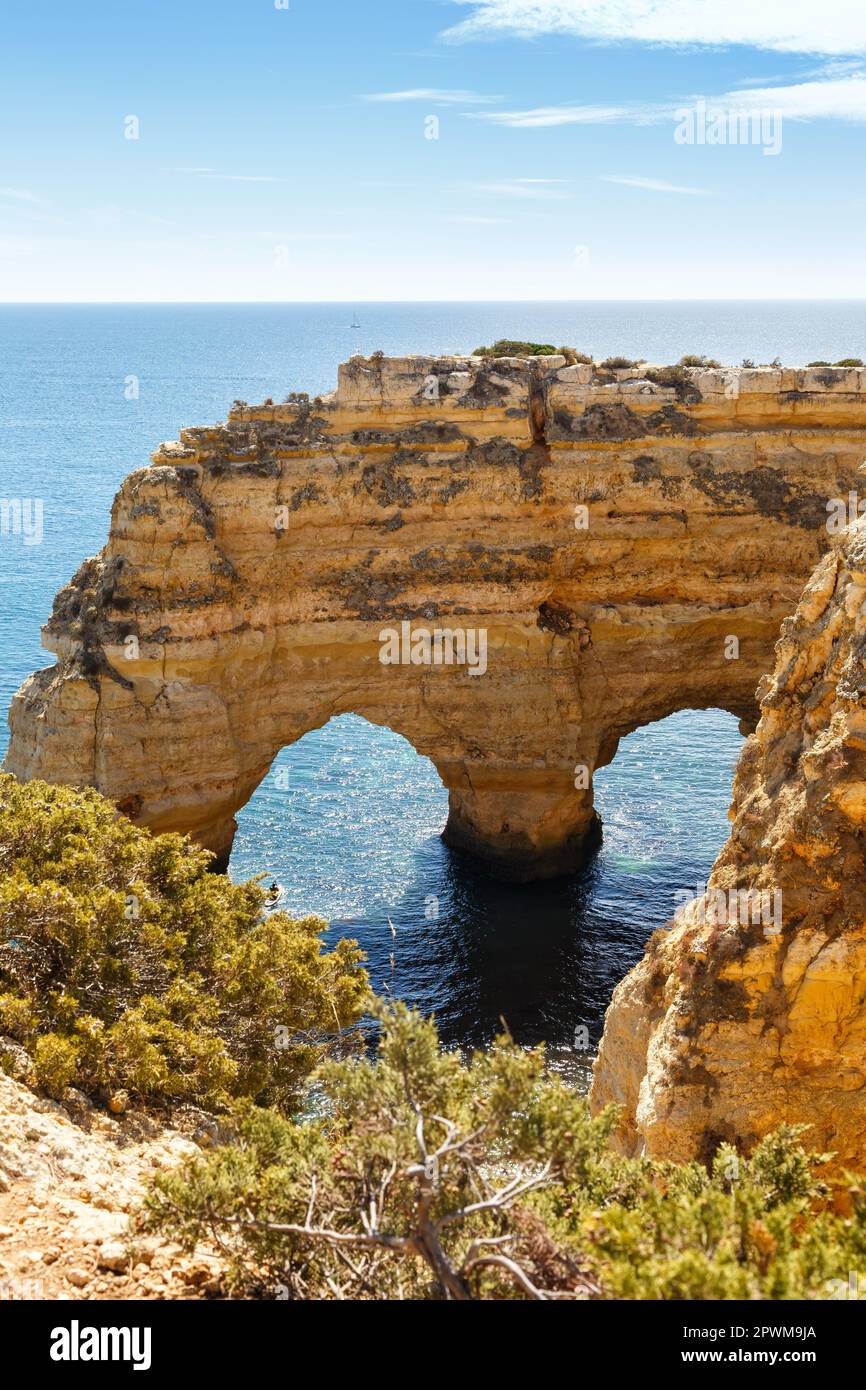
[428,1178]
[125,963]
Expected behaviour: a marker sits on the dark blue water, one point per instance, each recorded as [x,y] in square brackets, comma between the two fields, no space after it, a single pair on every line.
[349,819]
[353,833]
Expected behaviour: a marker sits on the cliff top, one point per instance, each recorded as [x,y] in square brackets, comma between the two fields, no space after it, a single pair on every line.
[432,401]
[403,377]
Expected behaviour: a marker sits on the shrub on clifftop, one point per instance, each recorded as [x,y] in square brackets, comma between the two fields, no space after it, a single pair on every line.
[517,347]
[125,963]
[429,1178]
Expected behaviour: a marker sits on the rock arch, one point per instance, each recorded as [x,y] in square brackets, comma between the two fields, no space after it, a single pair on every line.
[607,532]
[348,776]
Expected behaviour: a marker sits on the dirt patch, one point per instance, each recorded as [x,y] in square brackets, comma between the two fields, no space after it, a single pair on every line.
[70,1178]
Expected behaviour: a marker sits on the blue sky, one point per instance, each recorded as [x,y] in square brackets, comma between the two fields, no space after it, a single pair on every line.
[283,154]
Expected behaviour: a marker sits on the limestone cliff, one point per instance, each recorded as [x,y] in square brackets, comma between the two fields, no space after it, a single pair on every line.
[628,542]
[750,1009]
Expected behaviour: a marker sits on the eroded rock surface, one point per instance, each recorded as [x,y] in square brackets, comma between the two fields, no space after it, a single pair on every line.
[71,1179]
[609,532]
[750,1011]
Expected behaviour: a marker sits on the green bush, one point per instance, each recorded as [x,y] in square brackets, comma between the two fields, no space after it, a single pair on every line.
[425,1177]
[613,364]
[693,360]
[125,963]
[843,362]
[512,347]
[573,358]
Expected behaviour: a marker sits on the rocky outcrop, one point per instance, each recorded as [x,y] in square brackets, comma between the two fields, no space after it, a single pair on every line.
[72,1177]
[603,547]
[749,1010]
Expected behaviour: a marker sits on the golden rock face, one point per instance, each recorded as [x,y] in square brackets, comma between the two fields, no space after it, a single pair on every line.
[626,542]
[727,1028]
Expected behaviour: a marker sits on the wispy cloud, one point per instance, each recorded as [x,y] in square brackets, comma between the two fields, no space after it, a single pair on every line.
[836,98]
[477,221]
[564,115]
[522,188]
[311,235]
[832,27]
[434,96]
[19,195]
[828,67]
[244,178]
[840,98]
[206,173]
[653,185]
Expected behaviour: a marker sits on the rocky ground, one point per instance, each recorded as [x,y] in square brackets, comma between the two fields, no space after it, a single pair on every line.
[70,1175]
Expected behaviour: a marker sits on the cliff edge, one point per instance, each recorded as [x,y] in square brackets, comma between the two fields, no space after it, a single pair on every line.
[749,1010]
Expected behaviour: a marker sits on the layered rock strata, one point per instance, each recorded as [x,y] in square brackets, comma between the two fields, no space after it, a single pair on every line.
[625,542]
[749,1010]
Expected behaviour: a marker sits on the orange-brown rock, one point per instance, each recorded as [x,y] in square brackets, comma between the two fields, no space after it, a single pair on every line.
[626,542]
[750,1009]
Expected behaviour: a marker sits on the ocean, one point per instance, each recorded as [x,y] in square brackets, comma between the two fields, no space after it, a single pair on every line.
[87,392]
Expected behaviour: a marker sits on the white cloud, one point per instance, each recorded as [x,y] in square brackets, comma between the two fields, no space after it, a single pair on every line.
[204,172]
[522,188]
[311,235]
[434,96]
[562,115]
[653,185]
[841,99]
[838,98]
[788,26]
[19,195]
[242,178]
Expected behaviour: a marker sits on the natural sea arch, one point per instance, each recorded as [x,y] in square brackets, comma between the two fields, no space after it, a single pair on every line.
[629,548]
[348,821]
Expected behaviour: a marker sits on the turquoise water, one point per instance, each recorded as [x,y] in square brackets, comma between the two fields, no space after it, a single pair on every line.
[353,834]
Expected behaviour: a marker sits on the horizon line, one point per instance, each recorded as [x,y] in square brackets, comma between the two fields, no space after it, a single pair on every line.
[281,303]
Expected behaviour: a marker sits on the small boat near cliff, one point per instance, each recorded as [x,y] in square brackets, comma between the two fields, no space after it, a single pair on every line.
[274,896]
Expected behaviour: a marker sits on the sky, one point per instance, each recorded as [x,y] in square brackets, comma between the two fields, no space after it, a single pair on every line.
[245,150]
